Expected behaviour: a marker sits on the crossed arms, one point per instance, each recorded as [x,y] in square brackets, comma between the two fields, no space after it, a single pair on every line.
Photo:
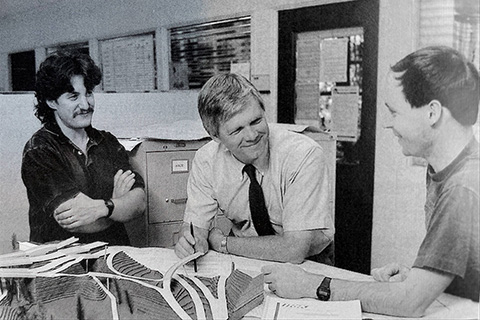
[83,214]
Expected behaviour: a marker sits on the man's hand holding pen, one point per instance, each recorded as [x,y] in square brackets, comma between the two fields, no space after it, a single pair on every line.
[190,243]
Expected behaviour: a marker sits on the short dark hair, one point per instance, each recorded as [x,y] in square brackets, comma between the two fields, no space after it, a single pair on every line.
[441,73]
[54,79]
[223,96]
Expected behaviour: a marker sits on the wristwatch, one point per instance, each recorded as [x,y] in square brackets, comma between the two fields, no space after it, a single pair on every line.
[223,245]
[323,290]
[110,206]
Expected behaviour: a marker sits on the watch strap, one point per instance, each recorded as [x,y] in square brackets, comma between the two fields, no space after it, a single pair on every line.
[223,245]
[110,206]
[323,290]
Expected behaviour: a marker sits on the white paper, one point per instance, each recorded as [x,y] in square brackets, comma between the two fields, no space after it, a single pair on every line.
[304,309]
[128,63]
[178,130]
[345,112]
[333,54]
[130,144]
[210,265]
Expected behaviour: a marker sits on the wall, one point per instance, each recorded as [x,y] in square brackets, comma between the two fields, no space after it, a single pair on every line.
[399,187]
[17,124]
[399,191]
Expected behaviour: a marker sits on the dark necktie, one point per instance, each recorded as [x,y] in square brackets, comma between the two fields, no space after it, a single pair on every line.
[260,218]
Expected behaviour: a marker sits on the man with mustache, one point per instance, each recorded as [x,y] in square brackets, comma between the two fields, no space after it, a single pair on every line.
[79,180]
[290,172]
[433,100]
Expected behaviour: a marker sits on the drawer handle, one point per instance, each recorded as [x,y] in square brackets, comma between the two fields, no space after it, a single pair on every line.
[177,201]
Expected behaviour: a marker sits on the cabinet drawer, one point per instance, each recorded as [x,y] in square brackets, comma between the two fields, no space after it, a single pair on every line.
[167,174]
[163,234]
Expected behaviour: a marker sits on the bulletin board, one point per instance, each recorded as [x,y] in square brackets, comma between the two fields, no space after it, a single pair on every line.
[328,81]
[128,64]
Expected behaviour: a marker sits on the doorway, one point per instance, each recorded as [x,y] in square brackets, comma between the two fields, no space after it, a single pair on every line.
[327,76]
[22,68]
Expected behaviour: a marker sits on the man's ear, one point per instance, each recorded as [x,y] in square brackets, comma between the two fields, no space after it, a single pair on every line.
[435,110]
[52,104]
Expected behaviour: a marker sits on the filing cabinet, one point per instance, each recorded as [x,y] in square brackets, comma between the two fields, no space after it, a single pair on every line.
[165,166]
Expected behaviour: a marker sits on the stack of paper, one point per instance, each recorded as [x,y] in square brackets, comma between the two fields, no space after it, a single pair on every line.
[276,308]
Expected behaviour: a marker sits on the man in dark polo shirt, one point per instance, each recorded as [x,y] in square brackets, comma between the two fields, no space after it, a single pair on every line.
[79,180]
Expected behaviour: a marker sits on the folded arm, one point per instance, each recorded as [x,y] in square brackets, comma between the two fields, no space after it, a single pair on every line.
[86,215]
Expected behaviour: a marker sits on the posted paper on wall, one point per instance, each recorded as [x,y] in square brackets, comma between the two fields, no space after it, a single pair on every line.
[333,63]
[345,111]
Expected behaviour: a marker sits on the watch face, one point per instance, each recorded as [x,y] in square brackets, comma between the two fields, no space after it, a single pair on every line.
[323,291]
[322,295]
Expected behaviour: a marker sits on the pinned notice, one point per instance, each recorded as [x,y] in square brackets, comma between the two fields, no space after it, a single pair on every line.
[333,60]
[345,110]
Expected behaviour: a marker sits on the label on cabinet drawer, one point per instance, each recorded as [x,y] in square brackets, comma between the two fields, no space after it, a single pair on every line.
[179,165]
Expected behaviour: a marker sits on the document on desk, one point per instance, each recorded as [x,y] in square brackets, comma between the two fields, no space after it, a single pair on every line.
[276,308]
[211,264]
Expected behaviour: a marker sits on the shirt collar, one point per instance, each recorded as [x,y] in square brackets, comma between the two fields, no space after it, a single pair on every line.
[94,137]
[237,164]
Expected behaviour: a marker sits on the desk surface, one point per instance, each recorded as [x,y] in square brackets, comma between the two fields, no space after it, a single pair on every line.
[213,263]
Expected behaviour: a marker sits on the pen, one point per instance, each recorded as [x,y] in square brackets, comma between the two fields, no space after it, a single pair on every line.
[277,309]
[194,261]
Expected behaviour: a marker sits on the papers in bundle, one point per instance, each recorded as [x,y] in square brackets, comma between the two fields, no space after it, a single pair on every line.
[276,308]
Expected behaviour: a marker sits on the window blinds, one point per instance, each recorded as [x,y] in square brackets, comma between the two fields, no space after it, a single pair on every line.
[210,48]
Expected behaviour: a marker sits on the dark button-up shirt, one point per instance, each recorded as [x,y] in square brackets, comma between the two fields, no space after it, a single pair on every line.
[55,170]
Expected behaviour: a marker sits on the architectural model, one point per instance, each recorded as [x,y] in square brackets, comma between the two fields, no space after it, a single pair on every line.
[68,281]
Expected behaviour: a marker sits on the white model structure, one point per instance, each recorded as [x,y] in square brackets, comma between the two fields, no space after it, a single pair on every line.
[109,284]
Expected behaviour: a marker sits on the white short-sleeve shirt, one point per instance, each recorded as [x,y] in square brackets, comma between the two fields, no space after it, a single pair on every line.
[295,186]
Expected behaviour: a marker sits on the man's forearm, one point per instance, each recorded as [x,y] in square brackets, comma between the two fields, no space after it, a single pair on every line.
[97,226]
[273,248]
[409,298]
[377,297]
[129,206]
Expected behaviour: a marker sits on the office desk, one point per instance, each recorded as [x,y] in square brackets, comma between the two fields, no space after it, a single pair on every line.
[445,307]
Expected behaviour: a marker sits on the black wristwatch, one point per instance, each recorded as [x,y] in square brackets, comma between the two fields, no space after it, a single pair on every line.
[110,206]
[323,290]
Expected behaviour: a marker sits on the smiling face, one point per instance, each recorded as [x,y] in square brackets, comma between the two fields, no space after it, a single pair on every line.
[246,134]
[410,125]
[74,110]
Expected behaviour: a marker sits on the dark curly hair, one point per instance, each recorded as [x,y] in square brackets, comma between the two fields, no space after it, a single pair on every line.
[441,73]
[54,76]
